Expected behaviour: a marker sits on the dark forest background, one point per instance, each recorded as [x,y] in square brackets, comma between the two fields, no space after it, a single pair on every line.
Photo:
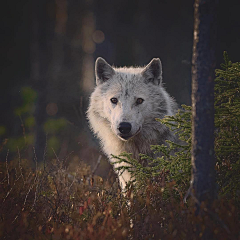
[48,49]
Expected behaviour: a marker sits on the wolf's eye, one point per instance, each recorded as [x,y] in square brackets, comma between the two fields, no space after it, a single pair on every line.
[139,101]
[114,100]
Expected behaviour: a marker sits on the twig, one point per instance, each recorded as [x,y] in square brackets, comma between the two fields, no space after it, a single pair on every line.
[56,187]
[188,193]
[16,218]
[19,164]
[24,131]
[11,189]
[25,200]
[7,167]
[29,191]
[67,157]
[72,182]
[45,153]
[138,212]
[35,198]
[56,155]
[35,194]
[35,158]
[35,179]
[97,165]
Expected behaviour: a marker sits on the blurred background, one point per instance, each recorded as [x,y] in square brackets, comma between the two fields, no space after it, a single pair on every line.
[48,49]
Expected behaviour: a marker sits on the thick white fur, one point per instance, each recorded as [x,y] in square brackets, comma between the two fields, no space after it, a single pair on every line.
[127,85]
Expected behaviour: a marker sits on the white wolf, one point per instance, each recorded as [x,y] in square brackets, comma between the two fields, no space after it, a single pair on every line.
[124,107]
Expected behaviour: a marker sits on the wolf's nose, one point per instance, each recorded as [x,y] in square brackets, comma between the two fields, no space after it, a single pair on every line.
[125,127]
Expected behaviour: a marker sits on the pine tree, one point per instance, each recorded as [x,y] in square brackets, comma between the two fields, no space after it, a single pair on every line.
[227,124]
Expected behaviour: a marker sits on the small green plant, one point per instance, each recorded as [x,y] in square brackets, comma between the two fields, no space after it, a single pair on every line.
[24,115]
[54,127]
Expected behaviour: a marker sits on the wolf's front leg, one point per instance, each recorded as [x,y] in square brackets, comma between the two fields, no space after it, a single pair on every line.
[124,178]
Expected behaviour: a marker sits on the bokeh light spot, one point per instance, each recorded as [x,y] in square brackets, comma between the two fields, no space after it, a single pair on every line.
[52,109]
[89,47]
[98,36]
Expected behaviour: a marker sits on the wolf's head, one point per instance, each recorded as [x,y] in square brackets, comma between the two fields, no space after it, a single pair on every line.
[129,98]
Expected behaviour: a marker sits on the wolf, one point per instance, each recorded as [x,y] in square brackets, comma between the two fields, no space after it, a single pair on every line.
[123,109]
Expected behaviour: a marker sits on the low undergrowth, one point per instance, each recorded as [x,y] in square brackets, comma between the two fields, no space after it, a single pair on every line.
[56,203]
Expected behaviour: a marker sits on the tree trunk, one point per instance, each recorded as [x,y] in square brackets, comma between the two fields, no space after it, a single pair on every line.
[56,65]
[203,64]
[42,29]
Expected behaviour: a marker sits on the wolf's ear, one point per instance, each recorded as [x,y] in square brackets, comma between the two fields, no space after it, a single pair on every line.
[153,72]
[103,71]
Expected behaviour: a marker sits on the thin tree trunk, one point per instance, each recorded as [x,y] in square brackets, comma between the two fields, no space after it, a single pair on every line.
[203,65]
[56,62]
[40,59]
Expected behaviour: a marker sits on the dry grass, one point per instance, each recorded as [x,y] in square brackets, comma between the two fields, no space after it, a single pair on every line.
[63,201]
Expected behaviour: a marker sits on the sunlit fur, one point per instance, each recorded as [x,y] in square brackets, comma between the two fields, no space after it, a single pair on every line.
[127,85]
